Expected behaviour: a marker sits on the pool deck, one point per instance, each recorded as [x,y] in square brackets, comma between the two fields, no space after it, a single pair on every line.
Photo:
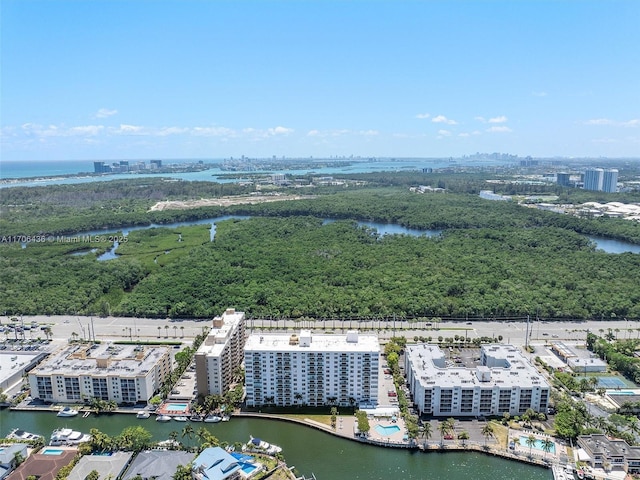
[165,409]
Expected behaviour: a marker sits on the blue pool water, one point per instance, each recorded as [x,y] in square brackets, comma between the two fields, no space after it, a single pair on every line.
[387,430]
[176,407]
[621,393]
[537,445]
[248,468]
[243,460]
[52,451]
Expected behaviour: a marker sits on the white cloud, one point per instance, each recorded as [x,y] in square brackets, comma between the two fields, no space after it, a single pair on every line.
[213,132]
[464,134]
[481,119]
[129,130]
[498,130]
[328,133]
[90,130]
[443,119]
[444,133]
[634,122]
[280,131]
[422,116]
[500,119]
[599,121]
[369,133]
[539,94]
[105,112]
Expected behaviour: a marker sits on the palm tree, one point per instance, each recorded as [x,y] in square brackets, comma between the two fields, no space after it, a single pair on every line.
[426,431]
[175,331]
[159,329]
[166,331]
[547,445]
[487,432]
[182,331]
[464,436]
[530,441]
[445,428]
[187,431]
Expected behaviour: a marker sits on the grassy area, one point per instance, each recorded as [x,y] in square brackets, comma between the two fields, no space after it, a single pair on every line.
[500,432]
[157,247]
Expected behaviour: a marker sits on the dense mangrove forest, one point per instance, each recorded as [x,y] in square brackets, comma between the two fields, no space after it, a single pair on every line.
[309,257]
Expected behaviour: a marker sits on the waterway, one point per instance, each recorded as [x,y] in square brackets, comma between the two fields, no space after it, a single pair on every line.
[605,244]
[309,450]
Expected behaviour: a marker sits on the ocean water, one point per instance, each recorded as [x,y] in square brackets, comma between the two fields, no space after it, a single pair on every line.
[13,174]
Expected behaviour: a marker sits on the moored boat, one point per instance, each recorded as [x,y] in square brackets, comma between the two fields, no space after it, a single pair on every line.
[163,418]
[66,436]
[212,419]
[18,434]
[257,445]
[196,418]
[67,412]
[180,418]
[143,414]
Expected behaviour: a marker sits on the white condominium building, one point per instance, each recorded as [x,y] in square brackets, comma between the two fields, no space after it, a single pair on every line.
[126,374]
[504,381]
[220,354]
[315,370]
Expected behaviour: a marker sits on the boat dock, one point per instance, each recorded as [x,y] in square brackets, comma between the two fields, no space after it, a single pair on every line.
[561,473]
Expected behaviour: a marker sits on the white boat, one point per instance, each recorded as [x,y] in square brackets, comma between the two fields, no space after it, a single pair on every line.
[17,434]
[196,418]
[257,445]
[212,419]
[180,418]
[163,418]
[143,414]
[66,436]
[226,418]
[67,412]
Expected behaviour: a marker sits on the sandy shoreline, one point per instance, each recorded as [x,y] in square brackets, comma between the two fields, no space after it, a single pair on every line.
[222,201]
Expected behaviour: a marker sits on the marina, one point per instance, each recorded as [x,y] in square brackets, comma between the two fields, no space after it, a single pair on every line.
[313,452]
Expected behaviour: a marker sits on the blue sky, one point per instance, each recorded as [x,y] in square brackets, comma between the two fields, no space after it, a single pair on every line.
[214,79]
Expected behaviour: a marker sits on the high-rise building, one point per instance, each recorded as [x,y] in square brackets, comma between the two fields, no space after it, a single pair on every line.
[563,179]
[610,181]
[314,370]
[101,167]
[220,354]
[593,178]
[504,382]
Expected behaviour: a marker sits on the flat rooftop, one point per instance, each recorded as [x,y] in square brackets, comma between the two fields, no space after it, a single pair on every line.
[12,362]
[221,332]
[104,358]
[505,367]
[352,342]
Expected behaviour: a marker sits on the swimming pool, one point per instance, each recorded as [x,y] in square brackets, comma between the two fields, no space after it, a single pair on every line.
[52,451]
[243,460]
[247,468]
[387,430]
[537,445]
[176,407]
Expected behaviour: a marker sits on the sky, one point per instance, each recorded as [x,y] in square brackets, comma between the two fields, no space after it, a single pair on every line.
[116,79]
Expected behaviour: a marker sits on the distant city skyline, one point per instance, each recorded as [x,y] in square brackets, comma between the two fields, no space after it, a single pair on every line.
[106,80]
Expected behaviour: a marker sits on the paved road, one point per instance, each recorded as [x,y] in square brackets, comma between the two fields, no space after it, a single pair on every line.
[512,332]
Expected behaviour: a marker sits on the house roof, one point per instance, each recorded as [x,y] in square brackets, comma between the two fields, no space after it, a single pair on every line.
[8,452]
[106,465]
[215,464]
[45,467]
[157,464]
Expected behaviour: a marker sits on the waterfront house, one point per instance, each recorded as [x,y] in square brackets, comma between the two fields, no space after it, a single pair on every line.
[216,464]
[8,457]
[157,464]
[108,466]
[43,465]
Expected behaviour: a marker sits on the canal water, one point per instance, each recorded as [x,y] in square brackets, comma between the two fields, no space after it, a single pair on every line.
[309,450]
